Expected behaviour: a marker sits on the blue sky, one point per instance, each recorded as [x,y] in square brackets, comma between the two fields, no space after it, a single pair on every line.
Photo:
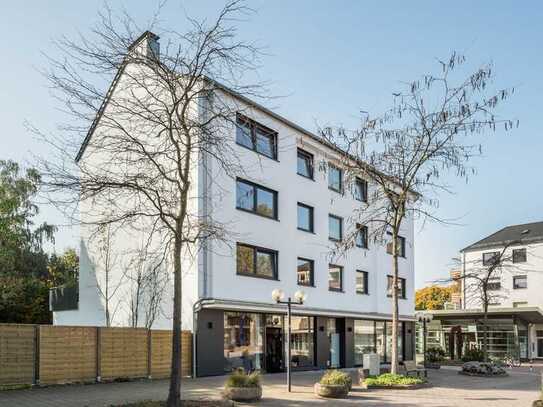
[330,60]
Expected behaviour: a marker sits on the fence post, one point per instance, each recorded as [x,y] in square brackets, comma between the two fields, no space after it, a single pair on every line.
[149,355]
[98,354]
[36,379]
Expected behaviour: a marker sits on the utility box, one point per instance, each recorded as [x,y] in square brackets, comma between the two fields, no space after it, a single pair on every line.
[371,361]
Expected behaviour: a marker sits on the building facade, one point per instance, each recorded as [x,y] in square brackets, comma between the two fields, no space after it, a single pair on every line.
[287,215]
[515,316]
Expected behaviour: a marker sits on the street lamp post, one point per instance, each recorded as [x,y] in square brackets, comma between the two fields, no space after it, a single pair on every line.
[299,296]
[424,318]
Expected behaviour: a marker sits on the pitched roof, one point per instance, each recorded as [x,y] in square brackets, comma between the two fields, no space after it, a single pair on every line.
[526,232]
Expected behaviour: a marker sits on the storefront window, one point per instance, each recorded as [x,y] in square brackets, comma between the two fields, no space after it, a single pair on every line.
[380,336]
[302,342]
[243,343]
[364,340]
[389,341]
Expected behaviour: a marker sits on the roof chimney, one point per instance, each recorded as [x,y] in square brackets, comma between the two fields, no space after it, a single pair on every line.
[147,45]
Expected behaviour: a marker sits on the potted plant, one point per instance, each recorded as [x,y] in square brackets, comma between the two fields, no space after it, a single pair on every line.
[334,384]
[434,356]
[242,386]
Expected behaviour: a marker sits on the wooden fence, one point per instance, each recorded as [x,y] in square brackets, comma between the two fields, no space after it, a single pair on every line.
[46,354]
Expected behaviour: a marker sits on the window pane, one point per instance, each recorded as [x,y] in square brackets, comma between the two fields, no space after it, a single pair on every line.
[334,178]
[301,340]
[305,164]
[334,278]
[520,282]
[265,203]
[243,341]
[243,134]
[305,272]
[361,282]
[519,255]
[364,340]
[360,190]
[245,260]
[265,264]
[490,257]
[305,215]
[245,196]
[362,236]
[265,142]
[334,225]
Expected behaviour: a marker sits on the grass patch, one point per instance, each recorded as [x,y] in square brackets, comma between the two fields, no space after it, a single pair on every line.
[391,380]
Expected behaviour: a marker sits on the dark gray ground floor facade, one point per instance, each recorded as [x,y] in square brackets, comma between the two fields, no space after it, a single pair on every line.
[226,340]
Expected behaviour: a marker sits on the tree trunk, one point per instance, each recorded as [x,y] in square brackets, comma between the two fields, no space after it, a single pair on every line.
[485,331]
[174,395]
[395,313]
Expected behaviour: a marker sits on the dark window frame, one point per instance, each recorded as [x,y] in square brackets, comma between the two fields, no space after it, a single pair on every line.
[523,254]
[310,157]
[256,250]
[402,288]
[364,183]
[403,244]
[488,262]
[254,125]
[365,276]
[333,239]
[255,187]
[364,230]
[341,269]
[311,218]
[330,187]
[523,277]
[311,274]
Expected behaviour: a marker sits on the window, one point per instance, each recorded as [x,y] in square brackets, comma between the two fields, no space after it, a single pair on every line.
[335,228]
[519,255]
[243,341]
[257,199]
[494,284]
[305,164]
[335,278]
[364,340]
[305,217]
[361,282]
[305,271]
[400,244]
[360,191]
[256,261]
[335,178]
[361,236]
[401,287]
[520,282]
[302,342]
[256,137]
[490,257]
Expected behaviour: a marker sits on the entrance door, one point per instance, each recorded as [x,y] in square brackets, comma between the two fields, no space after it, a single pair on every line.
[274,350]
[540,347]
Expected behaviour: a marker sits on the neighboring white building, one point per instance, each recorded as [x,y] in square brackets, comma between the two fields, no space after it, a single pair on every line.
[286,213]
[516,306]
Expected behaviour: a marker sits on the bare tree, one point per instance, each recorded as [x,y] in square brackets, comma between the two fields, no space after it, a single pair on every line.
[405,153]
[106,262]
[165,113]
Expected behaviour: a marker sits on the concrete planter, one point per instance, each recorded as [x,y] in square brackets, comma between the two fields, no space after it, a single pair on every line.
[537,403]
[333,391]
[243,393]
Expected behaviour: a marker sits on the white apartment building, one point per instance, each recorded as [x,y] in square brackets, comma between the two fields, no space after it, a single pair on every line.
[516,305]
[287,215]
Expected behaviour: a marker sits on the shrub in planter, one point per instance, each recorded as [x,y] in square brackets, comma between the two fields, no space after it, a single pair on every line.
[241,386]
[334,384]
[473,355]
[482,369]
[393,380]
[435,354]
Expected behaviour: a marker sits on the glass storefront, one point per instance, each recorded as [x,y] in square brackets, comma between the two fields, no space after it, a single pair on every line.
[364,340]
[243,341]
[302,340]
[380,339]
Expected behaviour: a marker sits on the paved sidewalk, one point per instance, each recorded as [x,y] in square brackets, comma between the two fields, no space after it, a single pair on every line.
[448,389]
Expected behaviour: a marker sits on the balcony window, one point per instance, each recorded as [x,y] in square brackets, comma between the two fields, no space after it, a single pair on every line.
[256,137]
[361,282]
[335,278]
[519,255]
[305,271]
[520,282]
[256,261]
[305,217]
[257,199]
[335,228]
[305,164]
